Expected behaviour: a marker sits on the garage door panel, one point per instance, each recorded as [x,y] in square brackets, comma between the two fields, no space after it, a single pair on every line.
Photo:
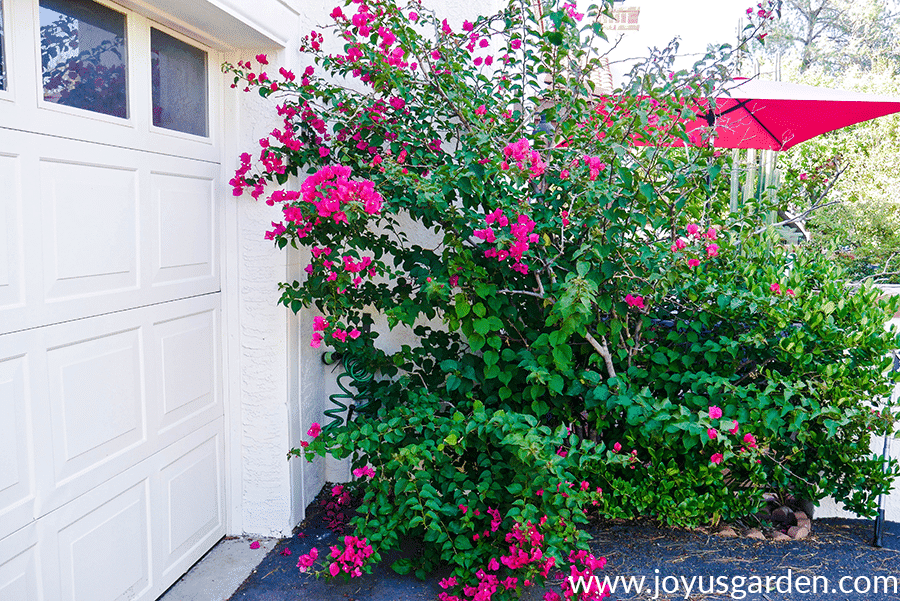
[19,566]
[16,469]
[11,254]
[117,387]
[185,224]
[92,247]
[192,498]
[97,401]
[104,552]
[107,229]
[187,353]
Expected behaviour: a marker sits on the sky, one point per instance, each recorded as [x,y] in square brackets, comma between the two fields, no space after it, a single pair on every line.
[697,22]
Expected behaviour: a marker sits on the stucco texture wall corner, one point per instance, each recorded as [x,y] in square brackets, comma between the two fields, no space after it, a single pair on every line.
[261,430]
[313,398]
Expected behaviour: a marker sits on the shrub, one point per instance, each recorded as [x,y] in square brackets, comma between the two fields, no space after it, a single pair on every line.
[581,344]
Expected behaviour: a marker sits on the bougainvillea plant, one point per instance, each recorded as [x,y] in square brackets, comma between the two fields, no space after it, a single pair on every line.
[594,333]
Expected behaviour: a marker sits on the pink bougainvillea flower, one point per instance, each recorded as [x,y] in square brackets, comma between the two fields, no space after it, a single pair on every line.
[285,551]
[715,412]
[617,447]
[262,59]
[693,229]
[561,452]
[435,55]
[334,568]
[254,544]
[717,458]
[413,16]
[314,430]
[734,429]
[306,561]
[680,244]
[481,110]
[712,433]
[775,288]
[463,508]
[791,292]
[366,471]
[750,440]
[635,301]
[804,176]
[693,262]
[712,250]
[711,233]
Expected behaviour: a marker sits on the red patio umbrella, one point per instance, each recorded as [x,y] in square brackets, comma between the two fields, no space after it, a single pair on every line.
[776,115]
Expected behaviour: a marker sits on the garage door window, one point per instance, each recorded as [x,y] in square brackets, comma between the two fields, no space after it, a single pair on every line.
[83,56]
[179,84]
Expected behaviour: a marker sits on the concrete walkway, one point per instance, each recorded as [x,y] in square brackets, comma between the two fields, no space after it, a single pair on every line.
[221,571]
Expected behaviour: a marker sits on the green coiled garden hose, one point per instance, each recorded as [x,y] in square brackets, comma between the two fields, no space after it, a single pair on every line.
[347,400]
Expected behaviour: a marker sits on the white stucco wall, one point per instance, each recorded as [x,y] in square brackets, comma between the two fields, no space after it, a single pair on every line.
[266,491]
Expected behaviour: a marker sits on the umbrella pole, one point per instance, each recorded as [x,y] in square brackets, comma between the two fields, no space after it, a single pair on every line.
[878,538]
[735,180]
[750,177]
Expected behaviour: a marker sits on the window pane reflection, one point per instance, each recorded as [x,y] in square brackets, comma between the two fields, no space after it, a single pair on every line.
[179,84]
[83,56]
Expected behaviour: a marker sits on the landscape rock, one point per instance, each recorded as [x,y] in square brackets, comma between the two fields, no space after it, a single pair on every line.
[727,532]
[755,533]
[798,532]
[784,515]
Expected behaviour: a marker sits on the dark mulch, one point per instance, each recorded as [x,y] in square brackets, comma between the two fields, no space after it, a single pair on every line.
[835,549]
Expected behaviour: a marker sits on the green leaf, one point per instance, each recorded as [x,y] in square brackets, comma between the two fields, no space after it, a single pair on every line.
[482,326]
[554,37]
[556,384]
[648,191]
[462,305]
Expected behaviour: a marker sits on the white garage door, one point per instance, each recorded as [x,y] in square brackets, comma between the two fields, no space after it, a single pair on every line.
[111,413]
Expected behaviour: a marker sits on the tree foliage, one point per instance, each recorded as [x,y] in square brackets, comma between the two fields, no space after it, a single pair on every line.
[835,35]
